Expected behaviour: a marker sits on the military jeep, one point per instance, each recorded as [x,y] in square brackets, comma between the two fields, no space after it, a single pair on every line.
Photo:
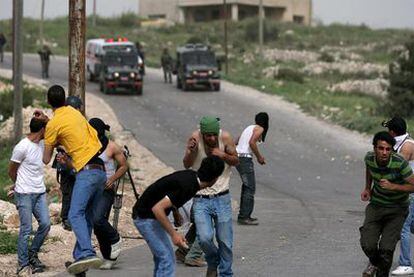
[196,65]
[120,71]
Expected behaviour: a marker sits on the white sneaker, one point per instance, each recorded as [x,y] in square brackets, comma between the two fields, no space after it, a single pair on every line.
[107,264]
[116,249]
[403,270]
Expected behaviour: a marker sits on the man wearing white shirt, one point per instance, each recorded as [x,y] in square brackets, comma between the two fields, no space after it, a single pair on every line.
[397,127]
[26,170]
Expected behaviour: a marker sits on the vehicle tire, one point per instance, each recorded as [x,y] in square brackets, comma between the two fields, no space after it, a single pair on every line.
[216,87]
[184,86]
[101,86]
[105,89]
[178,83]
[90,76]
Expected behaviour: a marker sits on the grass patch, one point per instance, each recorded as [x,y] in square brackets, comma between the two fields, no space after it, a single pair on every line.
[6,148]
[8,242]
[355,111]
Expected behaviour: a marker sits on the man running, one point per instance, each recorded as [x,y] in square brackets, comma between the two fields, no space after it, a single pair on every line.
[389,179]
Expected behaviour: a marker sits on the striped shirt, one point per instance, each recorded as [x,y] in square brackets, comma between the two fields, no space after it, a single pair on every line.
[396,172]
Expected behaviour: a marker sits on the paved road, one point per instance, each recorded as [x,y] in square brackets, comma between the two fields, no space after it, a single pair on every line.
[307,193]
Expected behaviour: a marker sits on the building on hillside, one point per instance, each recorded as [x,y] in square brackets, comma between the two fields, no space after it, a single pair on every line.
[299,11]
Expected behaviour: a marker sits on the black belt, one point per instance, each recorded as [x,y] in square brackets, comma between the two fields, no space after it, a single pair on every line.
[93,166]
[212,195]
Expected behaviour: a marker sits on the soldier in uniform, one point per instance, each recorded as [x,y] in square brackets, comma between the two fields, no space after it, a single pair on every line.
[167,63]
[45,54]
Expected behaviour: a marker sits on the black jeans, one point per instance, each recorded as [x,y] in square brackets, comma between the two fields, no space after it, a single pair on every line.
[380,233]
[104,232]
[66,186]
[246,171]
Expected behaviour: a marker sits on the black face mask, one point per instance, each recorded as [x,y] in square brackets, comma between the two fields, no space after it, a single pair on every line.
[262,119]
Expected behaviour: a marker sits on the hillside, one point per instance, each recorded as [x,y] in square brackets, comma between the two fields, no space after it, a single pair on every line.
[337,72]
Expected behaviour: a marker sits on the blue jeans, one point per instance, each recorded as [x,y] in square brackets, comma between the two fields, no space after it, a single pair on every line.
[405,255]
[246,171]
[28,204]
[214,216]
[86,194]
[160,245]
[104,232]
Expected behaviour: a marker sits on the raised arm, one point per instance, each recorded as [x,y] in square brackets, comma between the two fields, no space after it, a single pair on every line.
[191,150]
[229,155]
[407,187]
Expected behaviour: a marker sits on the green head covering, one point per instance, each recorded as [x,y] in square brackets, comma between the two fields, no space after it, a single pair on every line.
[209,124]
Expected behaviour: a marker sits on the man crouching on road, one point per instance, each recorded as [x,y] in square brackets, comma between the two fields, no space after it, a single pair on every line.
[389,179]
[168,193]
[26,170]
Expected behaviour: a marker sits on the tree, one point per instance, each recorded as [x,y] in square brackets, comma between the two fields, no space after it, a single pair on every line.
[401,90]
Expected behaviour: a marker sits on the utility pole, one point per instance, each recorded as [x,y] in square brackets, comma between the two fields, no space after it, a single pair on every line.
[261,17]
[94,14]
[42,16]
[77,49]
[226,49]
[17,69]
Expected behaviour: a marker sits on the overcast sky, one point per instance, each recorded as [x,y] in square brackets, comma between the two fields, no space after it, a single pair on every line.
[375,13]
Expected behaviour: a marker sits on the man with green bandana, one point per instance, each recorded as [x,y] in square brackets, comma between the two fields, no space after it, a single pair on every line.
[212,206]
[389,179]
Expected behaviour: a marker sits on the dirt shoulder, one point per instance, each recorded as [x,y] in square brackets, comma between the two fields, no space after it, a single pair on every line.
[145,168]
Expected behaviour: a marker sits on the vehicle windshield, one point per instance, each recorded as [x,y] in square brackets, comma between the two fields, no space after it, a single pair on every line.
[199,58]
[120,59]
[120,47]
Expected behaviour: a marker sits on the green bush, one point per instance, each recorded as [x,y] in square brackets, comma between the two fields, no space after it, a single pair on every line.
[326,57]
[289,74]
[128,19]
[8,242]
[401,90]
[5,181]
[29,95]
[251,31]
[195,39]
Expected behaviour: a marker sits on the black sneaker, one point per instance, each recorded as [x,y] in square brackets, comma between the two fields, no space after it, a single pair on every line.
[24,271]
[247,221]
[66,225]
[35,263]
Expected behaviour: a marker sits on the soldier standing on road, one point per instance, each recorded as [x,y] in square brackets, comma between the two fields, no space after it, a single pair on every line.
[389,179]
[212,206]
[246,147]
[2,43]
[45,54]
[397,127]
[141,55]
[159,199]
[167,64]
